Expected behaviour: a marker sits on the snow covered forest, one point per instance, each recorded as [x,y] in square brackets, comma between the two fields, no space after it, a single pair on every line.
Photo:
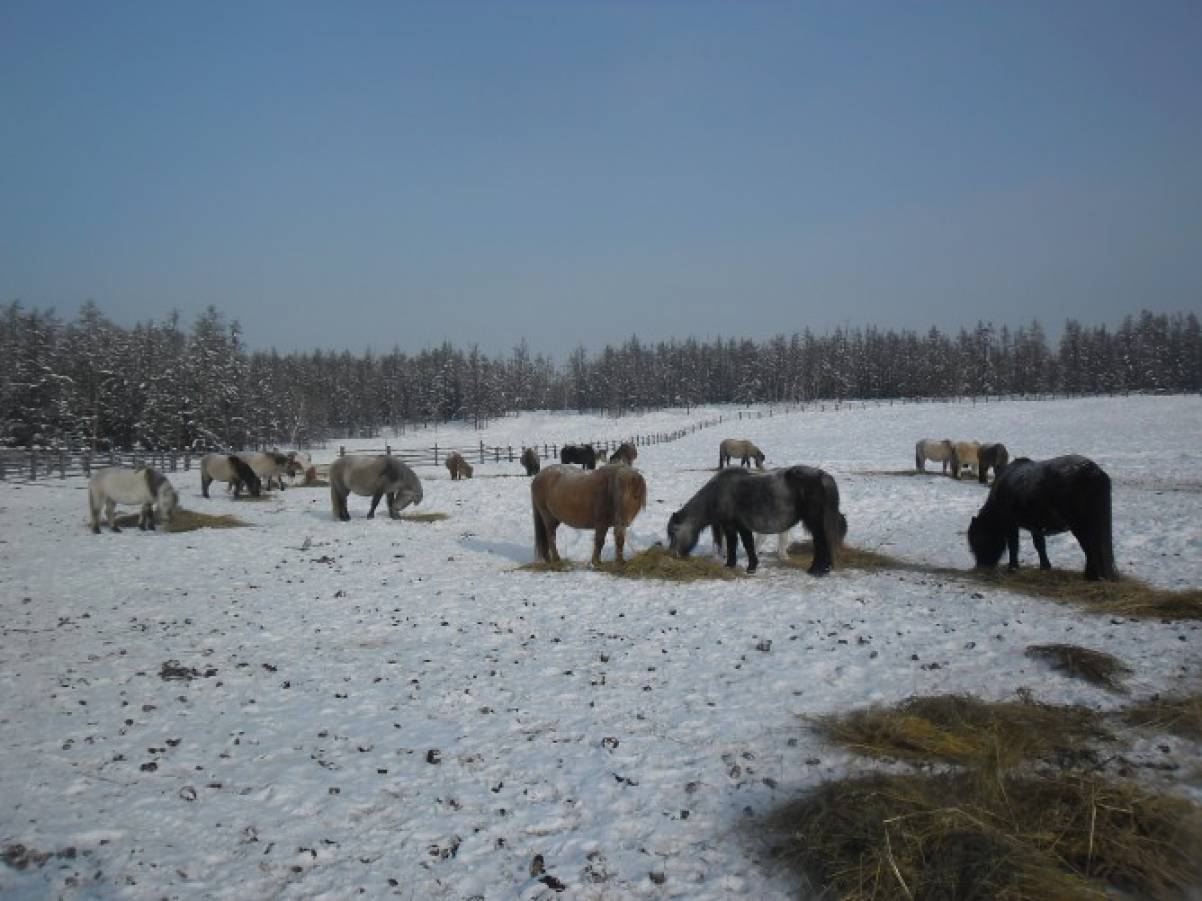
[160,385]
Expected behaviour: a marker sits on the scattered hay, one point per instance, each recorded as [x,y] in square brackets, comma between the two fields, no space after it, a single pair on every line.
[1127,597]
[314,483]
[1179,715]
[423,517]
[1095,667]
[657,562]
[961,729]
[188,521]
[957,835]
[801,555]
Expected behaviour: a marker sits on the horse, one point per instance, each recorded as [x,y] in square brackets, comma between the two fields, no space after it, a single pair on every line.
[966,453]
[579,453]
[626,453]
[937,450]
[740,503]
[609,496]
[1070,493]
[458,467]
[147,487]
[373,477]
[268,465]
[530,460]
[991,455]
[231,469]
[741,448]
[301,464]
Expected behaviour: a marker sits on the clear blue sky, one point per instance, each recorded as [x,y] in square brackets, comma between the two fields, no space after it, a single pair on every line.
[355,174]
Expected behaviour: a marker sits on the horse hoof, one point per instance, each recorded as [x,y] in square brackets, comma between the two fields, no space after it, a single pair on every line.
[95,530]
[751,570]
[371,516]
[115,529]
[819,570]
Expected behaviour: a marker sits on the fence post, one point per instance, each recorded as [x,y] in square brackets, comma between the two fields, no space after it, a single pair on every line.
[62,463]
[187,460]
[511,453]
[1,469]
[481,450]
[33,465]
[435,453]
[496,454]
[342,450]
[387,450]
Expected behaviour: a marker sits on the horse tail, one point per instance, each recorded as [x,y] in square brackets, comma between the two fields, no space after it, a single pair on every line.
[834,524]
[627,491]
[918,456]
[94,504]
[336,491]
[1104,529]
[542,549]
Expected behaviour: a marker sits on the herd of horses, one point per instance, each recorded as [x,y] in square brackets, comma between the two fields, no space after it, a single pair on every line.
[1069,493]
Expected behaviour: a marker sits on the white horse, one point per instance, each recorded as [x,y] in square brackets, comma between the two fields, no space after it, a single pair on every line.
[147,488]
[939,450]
[267,465]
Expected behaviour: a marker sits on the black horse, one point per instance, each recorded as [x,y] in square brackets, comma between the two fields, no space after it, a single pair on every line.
[579,453]
[741,503]
[1069,493]
[994,455]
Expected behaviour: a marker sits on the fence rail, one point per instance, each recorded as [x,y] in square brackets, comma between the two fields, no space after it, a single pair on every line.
[28,464]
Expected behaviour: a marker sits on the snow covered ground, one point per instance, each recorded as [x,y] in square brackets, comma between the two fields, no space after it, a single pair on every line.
[388,707]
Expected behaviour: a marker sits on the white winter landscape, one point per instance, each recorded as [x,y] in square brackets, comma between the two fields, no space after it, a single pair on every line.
[394,707]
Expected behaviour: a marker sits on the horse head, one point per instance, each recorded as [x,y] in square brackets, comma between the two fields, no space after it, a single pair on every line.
[986,543]
[167,501]
[682,535]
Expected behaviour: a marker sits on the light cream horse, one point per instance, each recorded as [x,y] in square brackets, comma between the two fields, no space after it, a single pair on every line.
[938,450]
[741,448]
[147,488]
[585,499]
[373,477]
[967,454]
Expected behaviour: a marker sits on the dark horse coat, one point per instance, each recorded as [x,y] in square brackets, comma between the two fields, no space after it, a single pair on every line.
[741,503]
[1070,493]
[991,455]
[579,453]
[530,461]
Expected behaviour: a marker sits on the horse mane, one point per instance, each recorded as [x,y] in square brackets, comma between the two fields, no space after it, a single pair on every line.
[242,469]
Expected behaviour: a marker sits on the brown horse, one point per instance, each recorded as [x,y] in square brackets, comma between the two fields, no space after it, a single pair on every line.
[458,467]
[530,461]
[585,499]
[626,453]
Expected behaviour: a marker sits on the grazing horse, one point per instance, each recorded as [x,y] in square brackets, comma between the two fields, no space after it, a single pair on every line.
[458,467]
[741,448]
[966,453]
[937,450]
[626,453]
[301,464]
[146,487]
[741,503]
[991,455]
[231,469]
[530,461]
[1070,493]
[579,453]
[610,496]
[268,465]
[373,477]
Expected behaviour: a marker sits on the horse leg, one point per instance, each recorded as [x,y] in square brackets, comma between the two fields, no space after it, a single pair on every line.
[782,546]
[205,481]
[390,498]
[619,543]
[551,525]
[1092,572]
[1041,548]
[375,500]
[1012,547]
[732,543]
[142,517]
[716,533]
[599,543]
[110,510]
[748,537]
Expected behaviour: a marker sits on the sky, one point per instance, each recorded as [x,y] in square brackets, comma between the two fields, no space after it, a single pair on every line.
[398,174]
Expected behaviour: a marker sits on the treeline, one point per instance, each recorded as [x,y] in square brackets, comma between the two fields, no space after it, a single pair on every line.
[89,382]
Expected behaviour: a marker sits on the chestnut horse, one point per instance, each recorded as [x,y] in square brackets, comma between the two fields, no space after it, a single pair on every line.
[585,499]
[966,453]
[626,453]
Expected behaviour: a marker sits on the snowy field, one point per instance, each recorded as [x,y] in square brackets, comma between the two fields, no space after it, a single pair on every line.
[386,707]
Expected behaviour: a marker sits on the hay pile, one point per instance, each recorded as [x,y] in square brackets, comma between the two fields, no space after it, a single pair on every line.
[657,562]
[956,835]
[1127,597]
[188,521]
[964,730]
[423,517]
[1179,715]
[1095,667]
[1022,814]
[801,555]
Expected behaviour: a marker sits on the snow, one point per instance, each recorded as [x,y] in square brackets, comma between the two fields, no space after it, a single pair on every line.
[395,707]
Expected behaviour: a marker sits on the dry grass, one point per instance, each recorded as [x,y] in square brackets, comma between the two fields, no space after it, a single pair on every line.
[1176,714]
[657,562]
[1095,667]
[964,730]
[188,521]
[316,483]
[961,835]
[423,517]
[801,555]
